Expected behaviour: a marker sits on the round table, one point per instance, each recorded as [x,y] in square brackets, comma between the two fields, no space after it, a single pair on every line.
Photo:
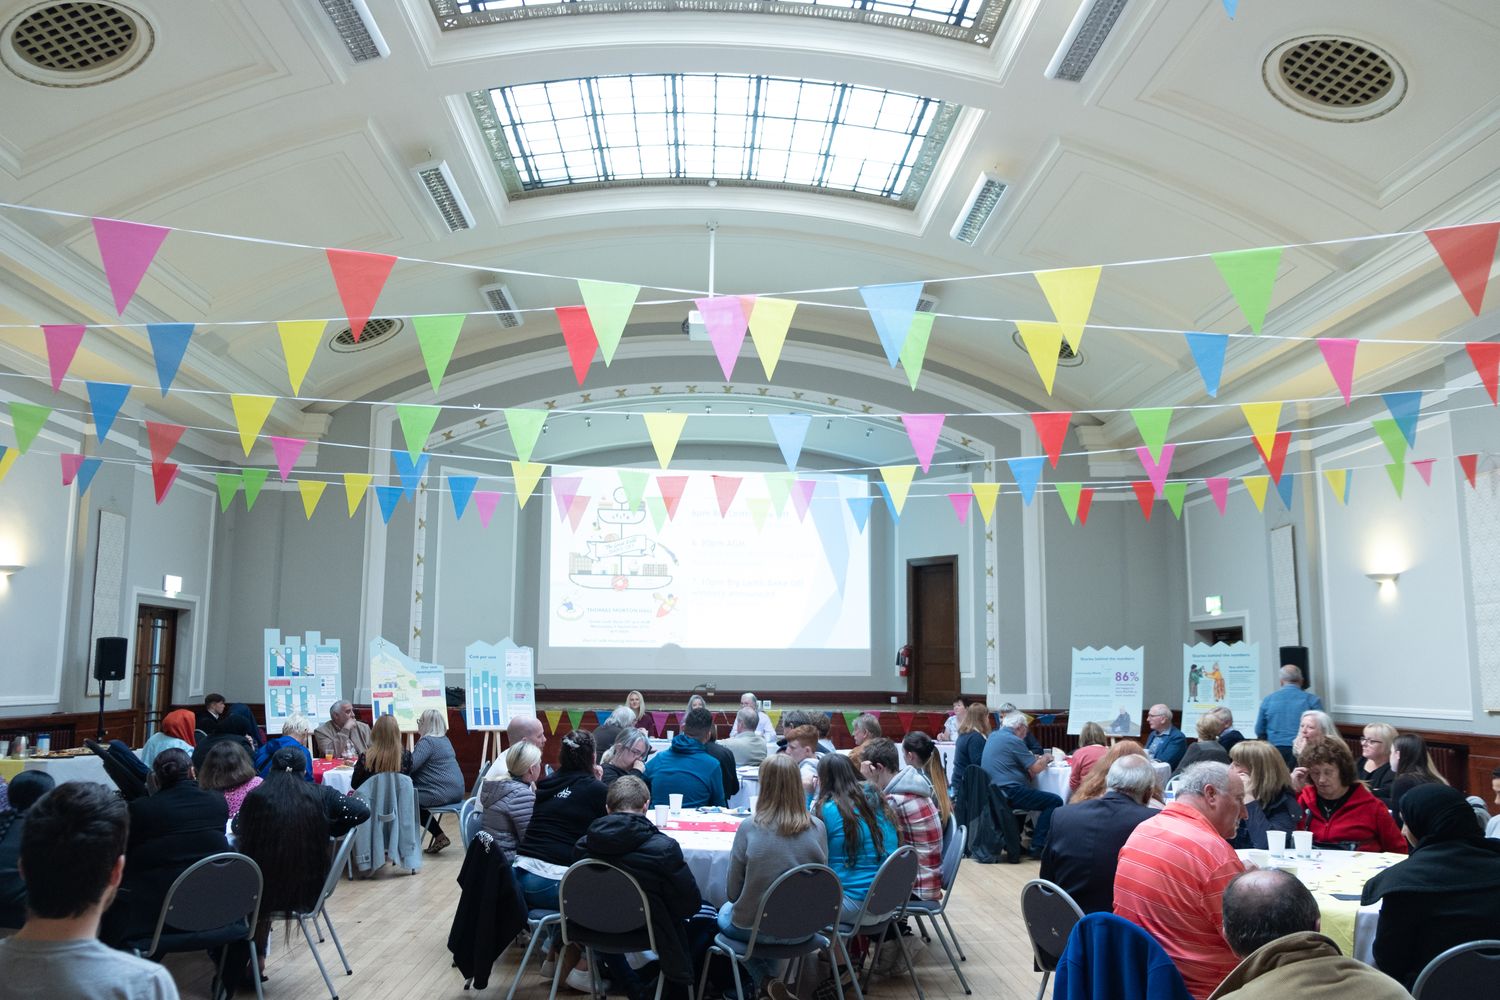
[706,839]
[1336,879]
[1056,777]
[945,753]
[335,774]
[749,787]
[79,767]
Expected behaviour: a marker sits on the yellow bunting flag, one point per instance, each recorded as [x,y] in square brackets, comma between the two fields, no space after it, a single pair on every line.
[355,486]
[554,716]
[775,714]
[769,322]
[299,342]
[1256,487]
[1043,341]
[1263,418]
[312,492]
[984,496]
[898,482]
[665,429]
[1070,293]
[1338,482]
[526,474]
[6,461]
[250,413]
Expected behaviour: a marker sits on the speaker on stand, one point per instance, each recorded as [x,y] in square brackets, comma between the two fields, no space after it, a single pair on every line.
[109,665]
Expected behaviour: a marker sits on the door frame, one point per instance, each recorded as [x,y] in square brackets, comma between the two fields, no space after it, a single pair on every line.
[192,637]
[912,565]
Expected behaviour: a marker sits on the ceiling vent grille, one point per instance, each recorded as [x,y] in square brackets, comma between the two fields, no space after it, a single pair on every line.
[376,331]
[977,211]
[357,27]
[1066,356]
[1084,38]
[498,299]
[75,44]
[437,180]
[1335,79]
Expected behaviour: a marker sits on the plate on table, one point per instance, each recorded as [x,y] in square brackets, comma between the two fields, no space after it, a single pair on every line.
[741,811]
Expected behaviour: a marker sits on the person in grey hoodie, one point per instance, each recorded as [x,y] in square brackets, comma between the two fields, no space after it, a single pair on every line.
[508,794]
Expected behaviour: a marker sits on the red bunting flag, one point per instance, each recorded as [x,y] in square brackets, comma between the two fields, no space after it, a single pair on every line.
[671,492]
[1470,465]
[1468,252]
[359,277]
[1275,461]
[1145,495]
[163,438]
[907,718]
[578,334]
[1085,502]
[163,475]
[1052,428]
[725,487]
[1486,358]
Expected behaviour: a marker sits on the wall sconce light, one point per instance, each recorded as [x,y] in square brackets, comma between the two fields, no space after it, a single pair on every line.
[1386,582]
[11,569]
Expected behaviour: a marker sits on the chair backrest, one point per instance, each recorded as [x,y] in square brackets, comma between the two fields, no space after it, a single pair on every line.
[597,897]
[800,903]
[1467,970]
[893,883]
[1171,786]
[484,767]
[335,870]
[1050,915]
[376,787]
[953,855]
[470,820]
[212,893]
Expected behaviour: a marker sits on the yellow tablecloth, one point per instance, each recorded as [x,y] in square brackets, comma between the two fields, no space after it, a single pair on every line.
[10,767]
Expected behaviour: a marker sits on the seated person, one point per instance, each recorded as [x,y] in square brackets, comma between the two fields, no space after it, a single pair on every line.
[1011,766]
[861,830]
[73,857]
[228,770]
[802,747]
[1341,812]
[727,766]
[909,794]
[206,719]
[385,753]
[1092,746]
[621,719]
[627,756]
[686,768]
[247,722]
[295,732]
[1166,742]
[1270,802]
[507,795]
[1032,743]
[1228,736]
[625,838]
[953,721]
[745,741]
[1375,765]
[866,727]
[177,730]
[1083,846]
[341,812]
[435,771]
[28,787]
[1207,746]
[761,726]
[823,723]
[342,735]
[231,728]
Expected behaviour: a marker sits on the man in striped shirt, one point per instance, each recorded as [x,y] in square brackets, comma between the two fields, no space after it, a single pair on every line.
[1173,870]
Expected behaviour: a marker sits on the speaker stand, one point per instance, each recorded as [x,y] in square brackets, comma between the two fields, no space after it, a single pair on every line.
[100,737]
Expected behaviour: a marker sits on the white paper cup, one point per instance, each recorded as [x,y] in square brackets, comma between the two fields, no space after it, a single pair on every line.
[1302,842]
[1276,841]
[676,800]
[663,815]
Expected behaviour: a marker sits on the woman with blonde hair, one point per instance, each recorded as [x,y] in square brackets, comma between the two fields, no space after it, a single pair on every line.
[968,752]
[1093,786]
[1207,747]
[1092,746]
[637,704]
[385,754]
[435,773]
[508,795]
[1375,768]
[1270,802]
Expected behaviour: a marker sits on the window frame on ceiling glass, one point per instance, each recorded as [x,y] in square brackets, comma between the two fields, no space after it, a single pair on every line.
[976,22]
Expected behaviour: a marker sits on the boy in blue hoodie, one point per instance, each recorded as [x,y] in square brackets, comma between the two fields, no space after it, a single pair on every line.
[685,768]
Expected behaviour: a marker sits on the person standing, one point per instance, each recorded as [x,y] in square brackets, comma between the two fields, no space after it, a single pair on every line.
[1280,713]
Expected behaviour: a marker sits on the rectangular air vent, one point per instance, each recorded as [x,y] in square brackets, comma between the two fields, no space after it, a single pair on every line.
[978,209]
[356,26]
[498,301]
[1084,38]
[437,180]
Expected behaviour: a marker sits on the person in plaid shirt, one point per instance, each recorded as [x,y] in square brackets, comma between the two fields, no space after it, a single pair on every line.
[917,819]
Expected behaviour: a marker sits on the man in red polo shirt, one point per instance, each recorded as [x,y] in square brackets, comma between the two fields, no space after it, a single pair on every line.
[1174,868]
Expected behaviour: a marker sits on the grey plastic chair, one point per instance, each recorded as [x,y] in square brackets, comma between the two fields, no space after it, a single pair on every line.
[935,910]
[537,921]
[484,766]
[435,816]
[802,905]
[1466,970]
[885,905]
[1050,915]
[470,820]
[604,907]
[212,904]
[320,909]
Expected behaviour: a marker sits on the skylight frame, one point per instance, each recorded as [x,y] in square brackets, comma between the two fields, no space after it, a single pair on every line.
[533,157]
[982,29]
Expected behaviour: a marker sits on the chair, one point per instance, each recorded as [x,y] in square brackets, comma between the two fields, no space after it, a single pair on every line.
[885,906]
[434,818]
[380,830]
[604,907]
[320,909]
[1108,957]
[537,921]
[212,904]
[1466,970]
[470,820]
[1050,915]
[802,903]
[484,766]
[131,785]
[953,855]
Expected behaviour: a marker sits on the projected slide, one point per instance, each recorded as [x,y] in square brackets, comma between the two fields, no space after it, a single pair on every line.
[785,568]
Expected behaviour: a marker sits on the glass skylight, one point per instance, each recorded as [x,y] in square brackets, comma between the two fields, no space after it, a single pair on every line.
[735,129]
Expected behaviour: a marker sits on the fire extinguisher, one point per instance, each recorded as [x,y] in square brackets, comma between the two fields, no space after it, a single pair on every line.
[903,661]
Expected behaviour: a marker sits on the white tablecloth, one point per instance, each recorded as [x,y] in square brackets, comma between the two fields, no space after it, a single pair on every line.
[340,778]
[945,751]
[1343,873]
[1055,779]
[84,767]
[707,854]
[749,787]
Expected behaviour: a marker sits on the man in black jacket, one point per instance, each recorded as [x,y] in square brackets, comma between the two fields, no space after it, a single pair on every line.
[1084,844]
[625,838]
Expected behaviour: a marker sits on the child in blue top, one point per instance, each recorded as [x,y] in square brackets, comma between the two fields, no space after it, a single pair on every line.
[861,832]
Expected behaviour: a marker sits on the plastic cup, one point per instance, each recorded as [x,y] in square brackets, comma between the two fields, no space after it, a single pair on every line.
[676,800]
[663,816]
[1276,841]
[1302,841]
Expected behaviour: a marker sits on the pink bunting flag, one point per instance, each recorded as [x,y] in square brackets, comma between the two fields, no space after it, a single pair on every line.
[725,487]
[961,503]
[1338,354]
[70,466]
[923,429]
[1424,468]
[802,494]
[288,450]
[163,475]
[564,490]
[671,492]
[725,318]
[658,722]
[62,345]
[127,250]
[484,502]
[359,277]
[576,510]
[1218,488]
[1156,471]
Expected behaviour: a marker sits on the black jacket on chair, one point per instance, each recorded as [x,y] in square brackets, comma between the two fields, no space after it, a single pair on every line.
[983,808]
[169,832]
[491,911]
[726,766]
[1083,847]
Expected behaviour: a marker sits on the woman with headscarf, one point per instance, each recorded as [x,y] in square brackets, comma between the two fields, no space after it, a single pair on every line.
[1446,893]
[176,731]
[25,789]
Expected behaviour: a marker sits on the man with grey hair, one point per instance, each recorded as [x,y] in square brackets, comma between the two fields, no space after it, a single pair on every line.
[342,735]
[1229,735]
[621,719]
[1271,921]
[1166,742]
[1281,711]
[1011,765]
[1084,843]
[762,724]
[1174,868]
[747,744]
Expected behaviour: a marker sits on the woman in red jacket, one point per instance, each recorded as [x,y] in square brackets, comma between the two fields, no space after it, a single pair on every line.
[1339,810]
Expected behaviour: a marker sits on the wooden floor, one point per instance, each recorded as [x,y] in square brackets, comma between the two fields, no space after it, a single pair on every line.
[395,930]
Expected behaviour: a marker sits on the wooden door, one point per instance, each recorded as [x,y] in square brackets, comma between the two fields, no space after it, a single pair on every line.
[932,624]
[155,653]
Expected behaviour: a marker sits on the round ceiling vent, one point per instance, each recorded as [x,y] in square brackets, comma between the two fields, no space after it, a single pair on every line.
[1334,79]
[75,44]
[1066,356]
[376,331]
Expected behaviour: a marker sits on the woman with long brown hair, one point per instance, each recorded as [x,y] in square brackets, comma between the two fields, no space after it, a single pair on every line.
[1093,787]
[1270,800]
[385,753]
[861,831]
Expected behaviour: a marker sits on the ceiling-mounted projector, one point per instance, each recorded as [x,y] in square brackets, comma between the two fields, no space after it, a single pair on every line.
[693,326]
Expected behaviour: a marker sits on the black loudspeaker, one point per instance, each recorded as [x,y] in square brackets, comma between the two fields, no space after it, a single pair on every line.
[1297,657]
[109,659]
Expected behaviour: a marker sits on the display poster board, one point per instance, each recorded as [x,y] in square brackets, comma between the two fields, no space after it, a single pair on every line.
[403,687]
[1220,675]
[303,675]
[1107,690]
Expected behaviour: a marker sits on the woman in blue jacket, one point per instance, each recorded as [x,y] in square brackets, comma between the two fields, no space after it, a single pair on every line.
[861,831]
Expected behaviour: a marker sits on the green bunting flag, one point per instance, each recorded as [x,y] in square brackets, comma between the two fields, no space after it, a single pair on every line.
[436,337]
[1250,275]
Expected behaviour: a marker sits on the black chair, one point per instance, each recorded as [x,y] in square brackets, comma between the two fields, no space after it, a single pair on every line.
[213,904]
[605,908]
[801,905]
[130,784]
[953,855]
[883,909]
[1050,915]
[1466,970]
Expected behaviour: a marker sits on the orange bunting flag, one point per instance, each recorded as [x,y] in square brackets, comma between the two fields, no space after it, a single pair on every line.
[1468,252]
[359,277]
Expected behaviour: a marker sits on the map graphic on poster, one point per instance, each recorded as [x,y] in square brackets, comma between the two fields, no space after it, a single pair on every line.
[1220,675]
[1107,690]
[402,687]
[303,675]
[499,684]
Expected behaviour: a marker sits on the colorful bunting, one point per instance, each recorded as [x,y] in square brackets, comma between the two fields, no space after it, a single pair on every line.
[1250,275]
[1069,493]
[1397,473]
[1256,487]
[26,419]
[126,250]
[105,399]
[564,490]
[76,467]
[634,482]
[578,335]
[1175,492]
[1405,408]
[1208,352]
[254,479]
[657,508]
[1276,460]
[897,481]
[1390,434]
[162,439]
[892,309]
[250,413]
[769,321]
[859,510]
[664,430]
[671,488]
[1263,418]
[526,475]
[62,344]
[287,450]
[1424,468]
[169,342]
[778,488]
[576,509]
[163,475]
[1145,495]
[1468,252]
[525,427]
[1027,471]
[725,487]
[914,351]
[1284,490]
[312,492]
[1218,488]
[760,507]
[417,422]
[459,490]
[554,716]
[410,472]
[229,485]
[790,430]
[923,430]
[1338,355]
[1152,422]
[1043,341]
[355,486]
[1052,428]
[485,502]
[1470,464]
[724,318]
[299,343]
[359,277]
[389,497]
[1486,358]
[436,338]
[1338,484]
[1085,503]
[1070,293]
[984,496]
[1156,471]
[608,304]
[961,503]
[802,494]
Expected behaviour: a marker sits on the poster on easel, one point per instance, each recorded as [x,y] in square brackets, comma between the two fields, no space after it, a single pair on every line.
[303,674]
[403,687]
[520,682]
[1107,690]
[1220,675]
[484,685]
